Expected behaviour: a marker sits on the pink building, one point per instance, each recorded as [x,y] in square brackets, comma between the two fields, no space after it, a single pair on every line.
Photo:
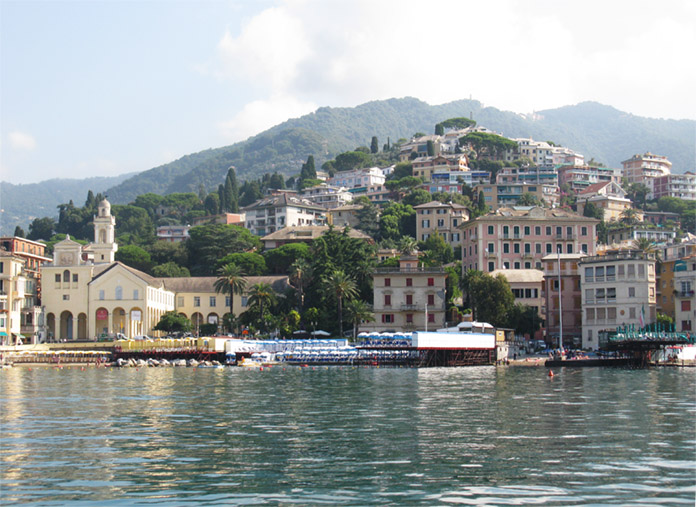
[519,237]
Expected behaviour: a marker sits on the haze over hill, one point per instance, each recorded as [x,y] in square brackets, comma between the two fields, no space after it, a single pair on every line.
[597,131]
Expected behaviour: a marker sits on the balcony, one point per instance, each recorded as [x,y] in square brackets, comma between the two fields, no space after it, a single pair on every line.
[685,294]
[425,270]
[414,308]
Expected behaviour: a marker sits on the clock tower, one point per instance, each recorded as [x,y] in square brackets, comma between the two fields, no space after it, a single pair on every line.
[104,246]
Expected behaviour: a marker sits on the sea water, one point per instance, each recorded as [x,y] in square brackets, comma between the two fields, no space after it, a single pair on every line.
[343,435]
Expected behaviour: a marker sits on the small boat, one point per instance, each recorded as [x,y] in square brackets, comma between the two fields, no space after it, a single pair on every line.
[210,366]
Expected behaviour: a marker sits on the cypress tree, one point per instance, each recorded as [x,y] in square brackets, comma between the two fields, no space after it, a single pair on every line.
[221,198]
[374,146]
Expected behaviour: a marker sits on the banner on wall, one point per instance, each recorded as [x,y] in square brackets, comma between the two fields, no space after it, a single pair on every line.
[136,315]
[102,314]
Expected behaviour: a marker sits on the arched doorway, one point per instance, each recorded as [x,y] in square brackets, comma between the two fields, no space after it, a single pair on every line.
[101,322]
[51,327]
[82,326]
[66,326]
[119,321]
[196,321]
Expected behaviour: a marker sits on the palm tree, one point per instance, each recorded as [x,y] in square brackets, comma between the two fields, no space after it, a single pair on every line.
[629,216]
[342,286]
[359,311]
[231,282]
[645,245]
[261,296]
[407,245]
[300,272]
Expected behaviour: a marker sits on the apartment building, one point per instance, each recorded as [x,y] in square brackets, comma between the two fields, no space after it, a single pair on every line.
[327,196]
[681,186]
[579,177]
[534,175]
[618,289]
[408,298]
[519,237]
[507,194]
[570,298]
[527,286]
[346,215]
[358,178]
[274,212]
[607,195]
[12,297]
[673,258]
[425,167]
[222,218]
[626,235]
[173,233]
[643,168]
[685,300]
[454,181]
[441,218]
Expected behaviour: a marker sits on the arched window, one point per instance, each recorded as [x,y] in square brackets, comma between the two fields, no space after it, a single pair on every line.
[119,292]
[66,276]
[102,236]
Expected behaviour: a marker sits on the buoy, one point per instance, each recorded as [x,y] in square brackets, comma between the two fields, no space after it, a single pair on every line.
[550,373]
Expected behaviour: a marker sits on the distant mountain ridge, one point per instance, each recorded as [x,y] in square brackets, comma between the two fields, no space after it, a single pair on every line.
[595,130]
[22,203]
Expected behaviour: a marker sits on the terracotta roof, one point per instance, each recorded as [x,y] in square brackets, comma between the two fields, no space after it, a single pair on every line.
[438,204]
[150,280]
[595,187]
[207,283]
[283,200]
[308,233]
[520,275]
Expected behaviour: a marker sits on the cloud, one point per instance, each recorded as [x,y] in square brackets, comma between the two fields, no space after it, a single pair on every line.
[261,115]
[520,56]
[22,140]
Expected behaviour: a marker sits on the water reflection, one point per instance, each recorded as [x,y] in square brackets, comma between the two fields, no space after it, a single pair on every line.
[347,435]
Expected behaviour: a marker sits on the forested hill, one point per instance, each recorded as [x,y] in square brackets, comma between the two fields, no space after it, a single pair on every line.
[600,132]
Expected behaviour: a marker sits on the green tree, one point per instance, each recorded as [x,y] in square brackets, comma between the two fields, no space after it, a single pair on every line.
[374,145]
[230,281]
[209,243]
[458,123]
[407,246]
[439,130]
[437,251]
[172,322]
[135,257]
[417,197]
[352,160]
[261,298]
[211,204]
[280,259]
[170,270]
[401,170]
[645,245]
[629,216]
[133,222]
[308,171]
[358,311]
[638,193]
[342,286]
[430,147]
[300,273]
[592,211]
[664,320]
[491,298]
[162,252]
[487,145]
[368,219]
[251,263]
[528,199]
[19,232]
[524,320]
[602,232]
[311,315]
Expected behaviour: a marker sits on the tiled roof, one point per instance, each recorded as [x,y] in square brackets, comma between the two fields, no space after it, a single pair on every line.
[308,233]
[207,283]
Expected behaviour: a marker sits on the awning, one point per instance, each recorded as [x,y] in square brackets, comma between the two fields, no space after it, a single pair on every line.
[3,333]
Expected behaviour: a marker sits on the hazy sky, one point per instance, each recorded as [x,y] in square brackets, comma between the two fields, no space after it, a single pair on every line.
[100,88]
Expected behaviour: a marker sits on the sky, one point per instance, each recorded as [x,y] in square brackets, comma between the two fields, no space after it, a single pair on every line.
[103,87]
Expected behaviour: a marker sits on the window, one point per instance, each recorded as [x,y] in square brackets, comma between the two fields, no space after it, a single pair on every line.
[584,248]
[589,295]
[526,230]
[387,282]
[180,301]
[538,248]
[227,301]
[631,313]
[599,295]
[66,297]
[559,231]
[409,282]
[631,271]
[409,318]
[527,248]
[631,292]
[537,230]
[548,231]
[569,248]
[57,278]
[66,276]
[425,224]
[569,232]
[196,301]
[136,294]
[74,277]
[686,305]
[549,248]
[491,266]
[516,231]
[506,247]
[611,294]
[101,295]
[516,248]
[686,325]
[409,299]
[119,292]
[387,300]
[641,270]
[431,317]
[491,248]
[506,230]
[590,314]
[213,301]
[490,230]
[245,301]
[527,265]
[387,318]
[517,265]
[583,231]
[431,282]
[431,299]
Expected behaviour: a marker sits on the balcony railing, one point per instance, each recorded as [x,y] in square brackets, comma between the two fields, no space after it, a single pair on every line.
[432,270]
[415,308]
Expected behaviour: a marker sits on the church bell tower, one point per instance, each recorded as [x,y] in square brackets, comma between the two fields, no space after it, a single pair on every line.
[104,246]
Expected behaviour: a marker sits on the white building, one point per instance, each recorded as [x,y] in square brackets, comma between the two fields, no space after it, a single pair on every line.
[618,289]
[358,178]
[272,213]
